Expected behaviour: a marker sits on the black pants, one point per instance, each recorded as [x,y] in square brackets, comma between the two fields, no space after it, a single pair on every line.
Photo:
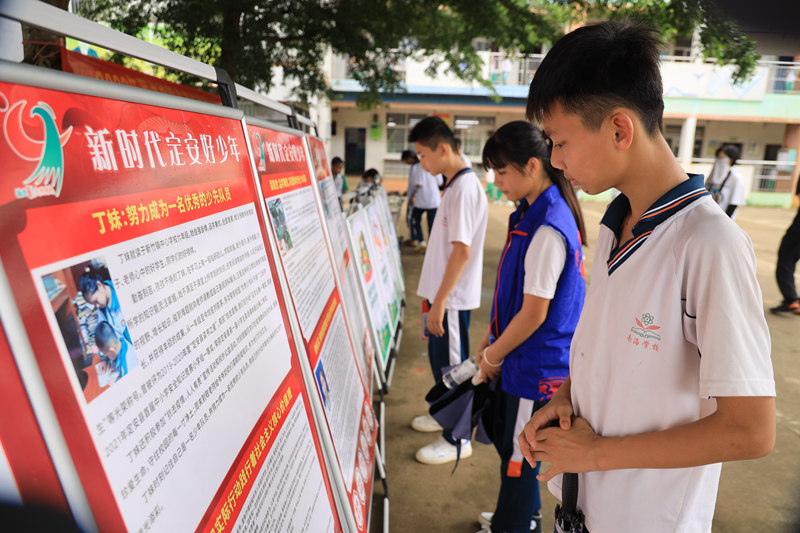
[416,222]
[788,255]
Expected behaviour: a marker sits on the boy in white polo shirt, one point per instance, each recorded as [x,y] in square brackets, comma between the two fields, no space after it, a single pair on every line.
[670,371]
[450,280]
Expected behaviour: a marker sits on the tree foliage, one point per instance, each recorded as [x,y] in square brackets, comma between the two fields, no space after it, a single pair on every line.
[250,38]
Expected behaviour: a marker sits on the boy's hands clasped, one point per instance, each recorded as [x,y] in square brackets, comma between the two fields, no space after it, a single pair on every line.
[556,436]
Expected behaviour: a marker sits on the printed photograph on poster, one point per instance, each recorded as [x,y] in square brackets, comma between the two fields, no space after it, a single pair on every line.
[319,159]
[278,215]
[92,325]
[366,264]
[323,186]
[324,387]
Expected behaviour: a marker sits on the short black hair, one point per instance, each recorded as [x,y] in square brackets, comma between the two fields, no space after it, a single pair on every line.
[431,132]
[89,280]
[597,68]
[371,173]
[408,154]
[337,161]
[105,336]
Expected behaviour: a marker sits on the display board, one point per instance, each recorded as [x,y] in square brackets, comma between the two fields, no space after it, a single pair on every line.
[378,307]
[343,259]
[382,200]
[385,260]
[134,245]
[296,221]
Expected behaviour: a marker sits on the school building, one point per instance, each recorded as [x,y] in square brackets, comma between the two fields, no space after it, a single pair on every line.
[704,110]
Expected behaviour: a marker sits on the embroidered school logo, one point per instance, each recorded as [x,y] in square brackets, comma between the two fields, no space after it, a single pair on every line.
[48,176]
[645,328]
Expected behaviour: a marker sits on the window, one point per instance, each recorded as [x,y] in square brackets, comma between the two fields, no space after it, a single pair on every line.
[699,133]
[398,126]
[672,134]
[473,132]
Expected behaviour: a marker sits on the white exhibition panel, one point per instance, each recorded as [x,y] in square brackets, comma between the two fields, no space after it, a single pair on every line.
[299,226]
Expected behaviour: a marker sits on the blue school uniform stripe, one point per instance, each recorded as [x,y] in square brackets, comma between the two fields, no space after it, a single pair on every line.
[673,201]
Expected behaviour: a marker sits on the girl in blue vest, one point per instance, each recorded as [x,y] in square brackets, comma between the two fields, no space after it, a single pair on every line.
[538,297]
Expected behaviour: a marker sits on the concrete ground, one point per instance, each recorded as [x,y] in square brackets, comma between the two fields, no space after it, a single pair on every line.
[761,495]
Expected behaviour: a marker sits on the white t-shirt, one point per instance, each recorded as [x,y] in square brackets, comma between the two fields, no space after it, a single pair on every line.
[733,193]
[462,217]
[544,262]
[424,187]
[338,184]
[636,363]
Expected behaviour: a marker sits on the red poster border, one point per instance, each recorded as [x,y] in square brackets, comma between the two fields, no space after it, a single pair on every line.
[13,220]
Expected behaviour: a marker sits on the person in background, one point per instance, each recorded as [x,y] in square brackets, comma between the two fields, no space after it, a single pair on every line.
[724,183]
[409,158]
[788,255]
[450,279]
[369,177]
[423,198]
[538,298]
[670,370]
[492,192]
[339,181]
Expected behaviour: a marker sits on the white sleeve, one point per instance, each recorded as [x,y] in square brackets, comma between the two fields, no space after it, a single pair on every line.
[544,262]
[738,191]
[724,313]
[464,208]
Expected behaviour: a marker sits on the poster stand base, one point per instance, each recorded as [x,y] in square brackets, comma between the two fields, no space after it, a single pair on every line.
[382,473]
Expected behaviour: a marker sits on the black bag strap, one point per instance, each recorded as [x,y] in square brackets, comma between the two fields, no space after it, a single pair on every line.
[722,185]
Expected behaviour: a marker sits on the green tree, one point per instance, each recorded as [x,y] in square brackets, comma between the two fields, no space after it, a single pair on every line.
[250,38]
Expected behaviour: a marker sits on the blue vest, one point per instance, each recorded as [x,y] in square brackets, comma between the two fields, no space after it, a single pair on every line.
[537,367]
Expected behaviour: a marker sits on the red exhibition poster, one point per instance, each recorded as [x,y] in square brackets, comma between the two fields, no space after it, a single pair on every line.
[136,256]
[284,172]
[345,267]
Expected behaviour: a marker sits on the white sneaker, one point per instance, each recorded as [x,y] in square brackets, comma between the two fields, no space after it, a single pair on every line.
[425,424]
[440,451]
[485,520]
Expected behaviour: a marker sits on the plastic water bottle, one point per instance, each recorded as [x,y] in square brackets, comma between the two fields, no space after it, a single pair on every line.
[460,374]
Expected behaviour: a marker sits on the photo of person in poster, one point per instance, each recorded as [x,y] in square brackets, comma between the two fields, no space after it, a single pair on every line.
[117,355]
[278,216]
[92,324]
[324,388]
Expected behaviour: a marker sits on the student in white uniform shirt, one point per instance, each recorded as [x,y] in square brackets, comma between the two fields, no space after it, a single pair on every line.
[724,182]
[670,371]
[423,197]
[450,280]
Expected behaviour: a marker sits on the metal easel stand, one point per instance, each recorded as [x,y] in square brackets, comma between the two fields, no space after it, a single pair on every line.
[382,473]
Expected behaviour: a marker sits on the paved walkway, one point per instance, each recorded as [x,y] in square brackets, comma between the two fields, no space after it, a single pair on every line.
[762,495]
